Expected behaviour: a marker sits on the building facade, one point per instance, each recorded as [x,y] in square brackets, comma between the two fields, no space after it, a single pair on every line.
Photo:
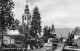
[26,18]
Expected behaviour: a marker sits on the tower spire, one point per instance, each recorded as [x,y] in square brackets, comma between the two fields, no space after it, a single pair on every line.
[26,15]
[52,26]
[26,2]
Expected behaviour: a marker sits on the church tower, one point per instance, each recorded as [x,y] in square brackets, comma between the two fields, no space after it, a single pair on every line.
[53,29]
[26,18]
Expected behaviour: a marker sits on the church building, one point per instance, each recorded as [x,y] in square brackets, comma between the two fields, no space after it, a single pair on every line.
[26,18]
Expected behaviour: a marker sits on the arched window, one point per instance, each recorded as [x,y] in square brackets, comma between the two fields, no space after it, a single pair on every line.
[25,18]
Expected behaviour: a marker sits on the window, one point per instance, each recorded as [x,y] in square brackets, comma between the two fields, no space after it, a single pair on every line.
[25,18]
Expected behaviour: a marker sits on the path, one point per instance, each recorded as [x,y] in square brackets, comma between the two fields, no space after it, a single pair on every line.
[60,47]
[41,49]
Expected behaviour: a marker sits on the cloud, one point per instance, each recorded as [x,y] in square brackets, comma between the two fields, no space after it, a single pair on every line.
[63,13]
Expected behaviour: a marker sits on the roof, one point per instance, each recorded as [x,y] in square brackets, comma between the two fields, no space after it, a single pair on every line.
[18,37]
[13,32]
[76,31]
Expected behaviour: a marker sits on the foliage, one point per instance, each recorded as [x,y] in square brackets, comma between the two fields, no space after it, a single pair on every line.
[45,31]
[6,15]
[20,29]
[36,23]
[45,35]
[48,33]
[15,24]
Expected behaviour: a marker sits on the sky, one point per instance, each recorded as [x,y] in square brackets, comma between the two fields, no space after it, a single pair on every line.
[61,13]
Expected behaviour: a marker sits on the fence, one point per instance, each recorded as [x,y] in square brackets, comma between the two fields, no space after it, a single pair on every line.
[13,49]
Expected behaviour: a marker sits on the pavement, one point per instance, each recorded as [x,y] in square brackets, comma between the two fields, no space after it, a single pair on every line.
[41,49]
[72,48]
[60,47]
[47,44]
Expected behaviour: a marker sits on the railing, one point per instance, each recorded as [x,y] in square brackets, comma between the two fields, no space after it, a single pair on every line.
[13,49]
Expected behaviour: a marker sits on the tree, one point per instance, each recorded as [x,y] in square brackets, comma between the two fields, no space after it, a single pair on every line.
[45,35]
[48,33]
[20,29]
[6,15]
[45,31]
[15,24]
[36,23]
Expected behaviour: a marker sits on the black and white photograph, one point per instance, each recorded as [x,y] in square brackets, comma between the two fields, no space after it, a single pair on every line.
[39,25]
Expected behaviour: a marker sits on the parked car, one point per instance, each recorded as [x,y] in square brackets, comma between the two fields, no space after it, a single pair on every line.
[55,45]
